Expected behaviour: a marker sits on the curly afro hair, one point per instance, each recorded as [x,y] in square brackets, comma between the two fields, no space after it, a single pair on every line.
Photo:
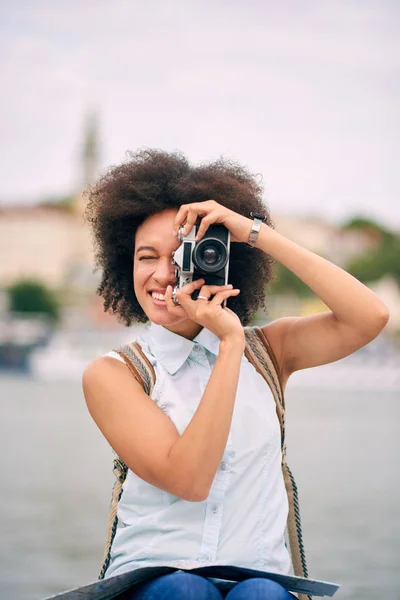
[149,182]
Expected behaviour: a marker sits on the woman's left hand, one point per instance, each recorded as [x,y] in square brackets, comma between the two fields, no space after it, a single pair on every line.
[211,212]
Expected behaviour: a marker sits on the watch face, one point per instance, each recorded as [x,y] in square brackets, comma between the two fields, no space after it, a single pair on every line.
[255,215]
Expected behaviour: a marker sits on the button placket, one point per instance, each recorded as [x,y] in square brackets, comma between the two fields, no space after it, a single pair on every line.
[212,523]
[214,508]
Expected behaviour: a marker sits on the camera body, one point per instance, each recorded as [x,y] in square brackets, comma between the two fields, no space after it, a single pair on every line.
[207,259]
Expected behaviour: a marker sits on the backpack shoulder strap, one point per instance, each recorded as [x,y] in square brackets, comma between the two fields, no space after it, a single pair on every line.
[139,365]
[143,371]
[259,352]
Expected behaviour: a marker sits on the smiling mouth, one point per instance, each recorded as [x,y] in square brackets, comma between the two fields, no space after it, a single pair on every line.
[157,296]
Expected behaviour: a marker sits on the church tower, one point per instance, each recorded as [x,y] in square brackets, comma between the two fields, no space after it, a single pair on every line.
[89,158]
[90,148]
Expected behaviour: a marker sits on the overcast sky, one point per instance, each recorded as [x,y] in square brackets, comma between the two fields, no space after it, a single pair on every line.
[304,92]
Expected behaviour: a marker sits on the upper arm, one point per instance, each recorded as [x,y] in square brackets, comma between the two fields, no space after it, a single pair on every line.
[136,428]
[304,342]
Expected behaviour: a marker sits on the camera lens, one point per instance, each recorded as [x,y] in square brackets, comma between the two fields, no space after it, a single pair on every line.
[210,255]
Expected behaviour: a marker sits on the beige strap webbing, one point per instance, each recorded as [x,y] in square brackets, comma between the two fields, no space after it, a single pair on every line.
[260,356]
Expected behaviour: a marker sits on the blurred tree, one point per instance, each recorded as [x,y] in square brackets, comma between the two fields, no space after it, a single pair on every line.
[373,229]
[29,296]
[383,259]
[286,282]
[377,262]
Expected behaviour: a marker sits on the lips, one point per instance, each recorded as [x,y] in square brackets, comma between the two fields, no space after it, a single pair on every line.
[158,297]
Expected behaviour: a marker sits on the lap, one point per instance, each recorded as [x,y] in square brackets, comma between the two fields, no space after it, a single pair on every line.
[189,586]
[178,585]
[258,589]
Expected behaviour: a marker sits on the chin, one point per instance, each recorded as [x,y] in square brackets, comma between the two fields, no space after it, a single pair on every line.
[165,320]
[162,317]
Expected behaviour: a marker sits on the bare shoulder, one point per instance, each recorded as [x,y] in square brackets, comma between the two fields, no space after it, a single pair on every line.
[102,367]
[109,388]
[105,372]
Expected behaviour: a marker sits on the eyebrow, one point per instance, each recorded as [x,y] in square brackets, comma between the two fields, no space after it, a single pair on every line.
[150,248]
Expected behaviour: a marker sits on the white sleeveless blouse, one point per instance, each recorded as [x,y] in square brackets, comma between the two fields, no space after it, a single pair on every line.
[242,522]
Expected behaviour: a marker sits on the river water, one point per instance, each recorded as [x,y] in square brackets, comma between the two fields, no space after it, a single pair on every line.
[344,447]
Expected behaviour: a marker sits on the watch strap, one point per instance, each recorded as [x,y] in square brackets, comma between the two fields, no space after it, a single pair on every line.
[255,230]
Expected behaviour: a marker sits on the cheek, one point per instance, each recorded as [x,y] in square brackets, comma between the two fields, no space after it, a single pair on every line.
[141,274]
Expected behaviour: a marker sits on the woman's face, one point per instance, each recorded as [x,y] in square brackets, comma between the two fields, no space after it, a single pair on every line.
[153,271]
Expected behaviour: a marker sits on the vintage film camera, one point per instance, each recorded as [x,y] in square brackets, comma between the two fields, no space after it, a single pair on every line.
[207,259]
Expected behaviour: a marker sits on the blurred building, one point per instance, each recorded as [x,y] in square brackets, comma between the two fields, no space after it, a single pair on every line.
[50,242]
[326,239]
[47,243]
[53,244]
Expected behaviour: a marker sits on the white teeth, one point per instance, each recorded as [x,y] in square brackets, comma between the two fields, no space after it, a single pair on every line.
[158,296]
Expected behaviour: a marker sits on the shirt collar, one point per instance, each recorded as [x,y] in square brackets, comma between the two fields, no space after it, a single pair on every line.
[172,350]
[208,340]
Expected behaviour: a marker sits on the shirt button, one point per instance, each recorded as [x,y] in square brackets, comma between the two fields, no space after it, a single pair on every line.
[223,466]
[215,509]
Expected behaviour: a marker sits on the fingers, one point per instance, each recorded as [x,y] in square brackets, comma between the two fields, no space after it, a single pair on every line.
[224,295]
[191,219]
[184,294]
[205,290]
[190,213]
[189,288]
[204,225]
[173,308]
[210,290]
[180,218]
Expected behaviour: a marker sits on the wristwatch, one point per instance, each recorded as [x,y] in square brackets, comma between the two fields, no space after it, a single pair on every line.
[258,220]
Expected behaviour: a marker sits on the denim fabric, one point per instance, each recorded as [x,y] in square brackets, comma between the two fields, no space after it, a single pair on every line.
[188,586]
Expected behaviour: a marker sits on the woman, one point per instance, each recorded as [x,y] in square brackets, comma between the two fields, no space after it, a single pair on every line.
[204,484]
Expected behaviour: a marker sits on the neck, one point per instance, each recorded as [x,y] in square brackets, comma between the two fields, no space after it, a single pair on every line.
[187,329]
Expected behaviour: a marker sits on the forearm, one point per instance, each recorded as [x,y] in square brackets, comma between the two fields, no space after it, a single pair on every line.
[350,301]
[195,457]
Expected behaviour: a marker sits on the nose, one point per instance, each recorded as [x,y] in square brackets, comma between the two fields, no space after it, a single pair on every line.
[165,273]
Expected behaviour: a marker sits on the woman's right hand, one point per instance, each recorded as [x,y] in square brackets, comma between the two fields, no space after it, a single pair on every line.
[223,322]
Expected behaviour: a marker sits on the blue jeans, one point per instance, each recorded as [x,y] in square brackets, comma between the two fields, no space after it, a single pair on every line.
[188,586]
